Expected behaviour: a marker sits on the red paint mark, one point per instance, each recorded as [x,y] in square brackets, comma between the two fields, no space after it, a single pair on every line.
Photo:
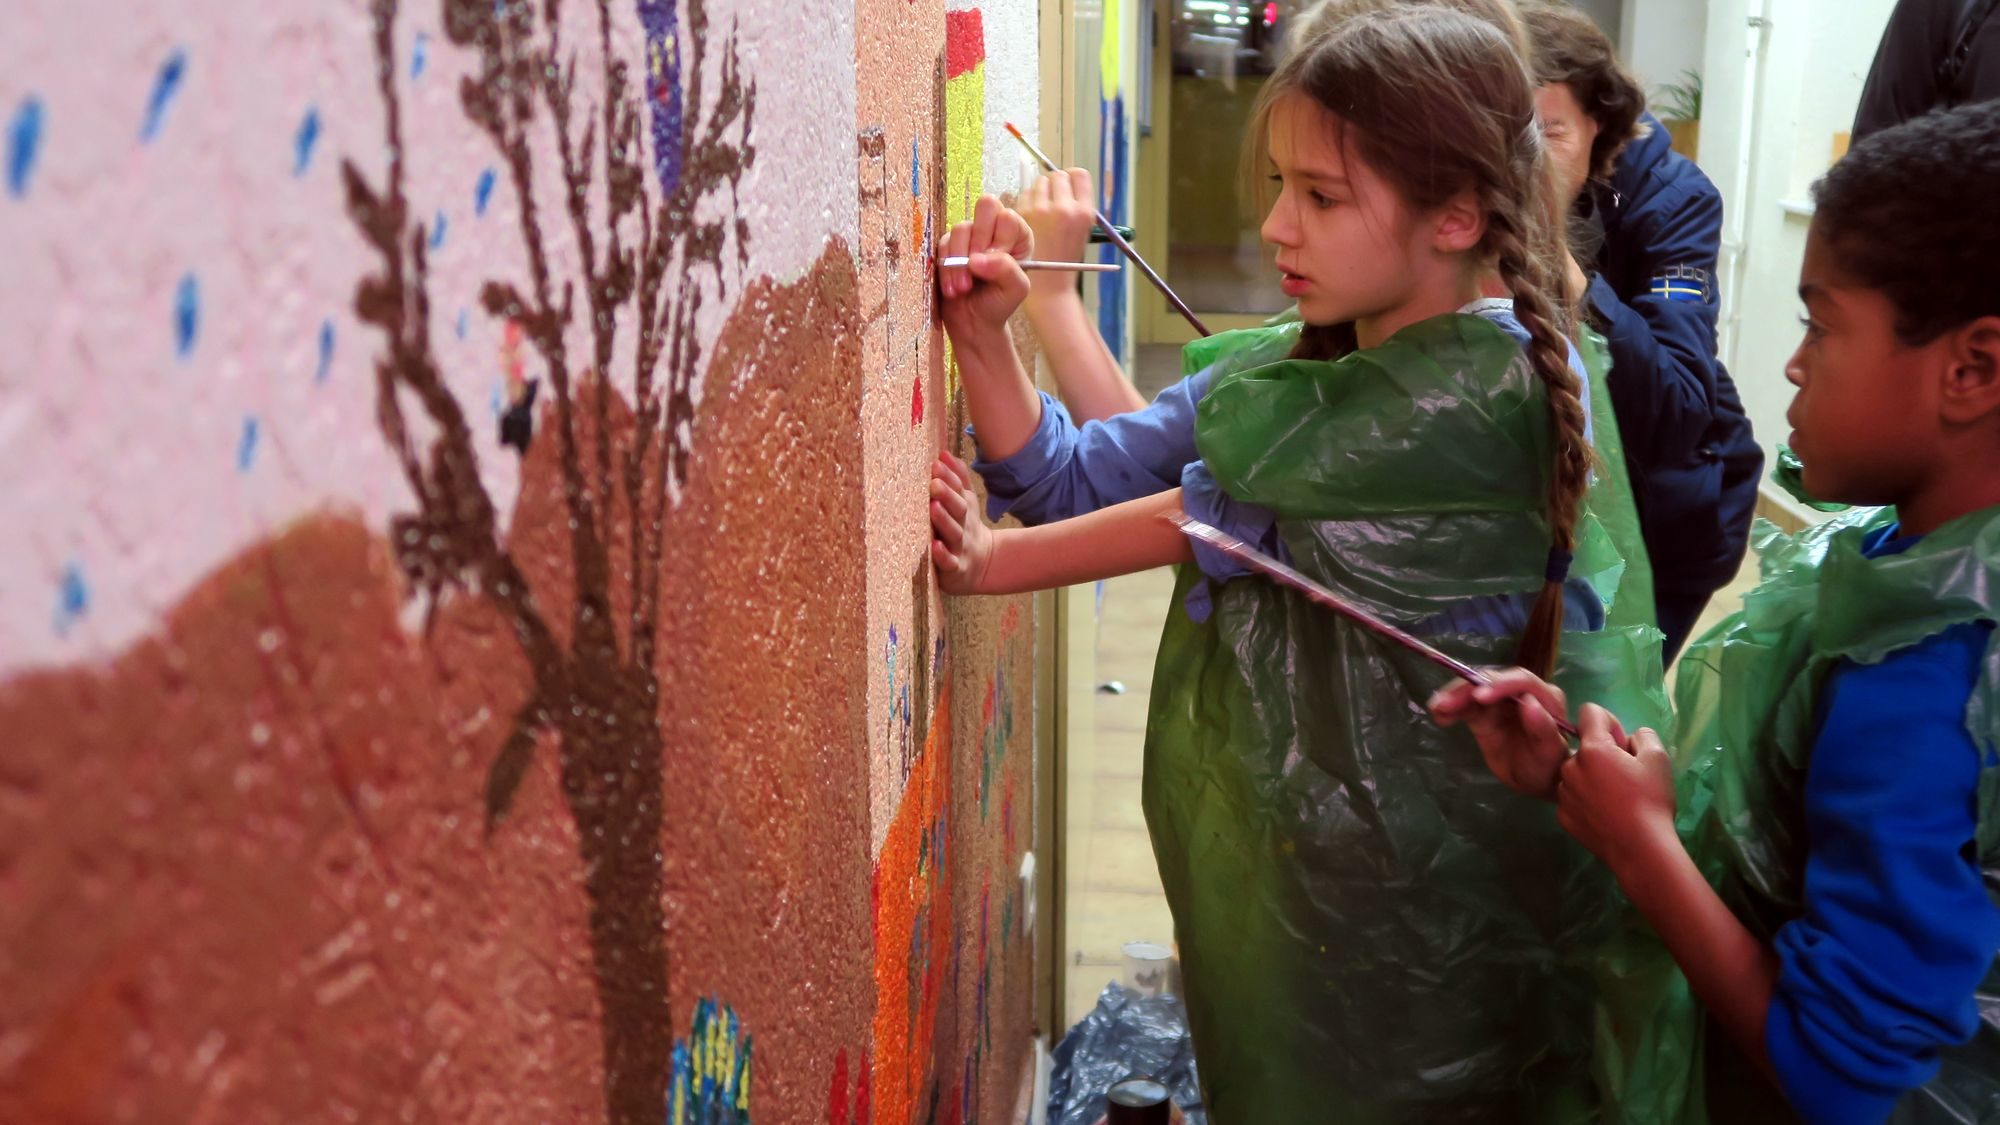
[836,1098]
[964,41]
[991,686]
[1010,622]
[917,400]
[861,1089]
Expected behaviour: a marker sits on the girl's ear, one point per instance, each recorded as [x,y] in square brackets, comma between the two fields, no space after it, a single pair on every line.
[1460,224]
[1972,377]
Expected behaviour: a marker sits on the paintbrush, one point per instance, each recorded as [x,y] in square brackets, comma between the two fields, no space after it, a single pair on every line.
[1264,564]
[1037,264]
[1111,234]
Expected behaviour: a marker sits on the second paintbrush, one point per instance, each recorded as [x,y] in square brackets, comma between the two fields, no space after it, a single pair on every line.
[1035,264]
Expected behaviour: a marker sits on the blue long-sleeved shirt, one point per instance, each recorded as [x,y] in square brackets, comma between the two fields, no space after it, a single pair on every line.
[1065,470]
[1898,930]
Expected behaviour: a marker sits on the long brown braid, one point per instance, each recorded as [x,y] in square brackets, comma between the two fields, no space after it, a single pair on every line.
[1467,123]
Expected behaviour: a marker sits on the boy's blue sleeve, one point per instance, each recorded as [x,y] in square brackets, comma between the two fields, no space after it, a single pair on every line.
[1879,973]
[1067,471]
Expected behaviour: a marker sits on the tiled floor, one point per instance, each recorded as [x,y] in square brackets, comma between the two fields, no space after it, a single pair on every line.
[1118,897]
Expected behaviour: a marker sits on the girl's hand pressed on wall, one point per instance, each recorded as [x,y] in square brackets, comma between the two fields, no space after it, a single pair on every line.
[1513,718]
[1059,211]
[961,543]
[1616,796]
[978,298]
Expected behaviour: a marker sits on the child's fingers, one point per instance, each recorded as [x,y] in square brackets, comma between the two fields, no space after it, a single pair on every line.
[1599,728]
[1079,187]
[1645,742]
[953,499]
[943,559]
[1508,683]
[1036,196]
[997,267]
[957,280]
[985,214]
[1449,703]
[956,469]
[948,531]
[1055,188]
[1535,718]
[1012,234]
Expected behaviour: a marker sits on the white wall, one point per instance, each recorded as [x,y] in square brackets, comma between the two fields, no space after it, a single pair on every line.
[1658,39]
[1800,87]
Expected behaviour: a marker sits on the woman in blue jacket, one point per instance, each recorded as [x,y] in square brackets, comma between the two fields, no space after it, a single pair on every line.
[1650,289]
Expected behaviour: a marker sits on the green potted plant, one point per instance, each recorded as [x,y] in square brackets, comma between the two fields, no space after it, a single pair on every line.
[1678,105]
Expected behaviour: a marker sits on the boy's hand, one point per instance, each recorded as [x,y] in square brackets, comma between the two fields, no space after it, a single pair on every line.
[1617,795]
[1059,211]
[961,543]
[978,298]
[1513,718]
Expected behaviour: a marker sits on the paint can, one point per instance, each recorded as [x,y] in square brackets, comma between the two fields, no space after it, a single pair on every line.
[1150,970]
[1140,1100]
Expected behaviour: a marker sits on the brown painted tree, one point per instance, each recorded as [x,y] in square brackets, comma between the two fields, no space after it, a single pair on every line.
[646,260]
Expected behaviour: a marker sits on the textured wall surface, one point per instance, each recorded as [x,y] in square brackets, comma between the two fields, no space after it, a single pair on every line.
[466,644]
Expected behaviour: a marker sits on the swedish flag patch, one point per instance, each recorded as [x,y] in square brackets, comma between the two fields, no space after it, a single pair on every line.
[1684,283]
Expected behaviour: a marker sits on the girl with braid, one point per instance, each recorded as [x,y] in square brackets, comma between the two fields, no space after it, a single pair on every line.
[1371,927]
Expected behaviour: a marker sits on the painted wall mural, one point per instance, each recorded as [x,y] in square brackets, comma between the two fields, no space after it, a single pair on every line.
[1114,164]
[470,652]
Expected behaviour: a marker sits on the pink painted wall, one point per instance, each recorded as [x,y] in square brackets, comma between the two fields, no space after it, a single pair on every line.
[388,744]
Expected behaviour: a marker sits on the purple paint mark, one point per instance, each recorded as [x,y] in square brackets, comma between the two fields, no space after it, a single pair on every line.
[916,183]
[303,142]
[325,351]
[165,86]
[482,192]
[72,598]
[461,323]
[661,22]
[499,398]
[246,446]
[438,226]
[24,143]
[420,55]
[187,315]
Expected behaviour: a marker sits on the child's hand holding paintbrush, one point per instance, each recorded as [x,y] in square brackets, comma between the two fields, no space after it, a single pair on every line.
[981,282]
[979,272]
[1518,718]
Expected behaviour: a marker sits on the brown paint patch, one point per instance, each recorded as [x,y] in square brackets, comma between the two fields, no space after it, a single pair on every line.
[248,872]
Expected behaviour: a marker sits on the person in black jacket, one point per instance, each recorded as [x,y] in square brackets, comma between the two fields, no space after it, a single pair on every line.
[1655,222]
[1934,54]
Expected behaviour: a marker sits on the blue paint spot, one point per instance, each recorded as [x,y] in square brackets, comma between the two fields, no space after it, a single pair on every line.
[1112,202]
[482,191]
[165,86]
[325,351]
[420,54]
[438,225]
[187,315]
[72,598]
[661,21]
[916,183]
[302,145]
[461,323]
[499,398]
[24,143]
[246,446]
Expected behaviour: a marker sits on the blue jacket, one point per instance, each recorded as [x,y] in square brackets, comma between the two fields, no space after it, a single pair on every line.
[1693,461]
